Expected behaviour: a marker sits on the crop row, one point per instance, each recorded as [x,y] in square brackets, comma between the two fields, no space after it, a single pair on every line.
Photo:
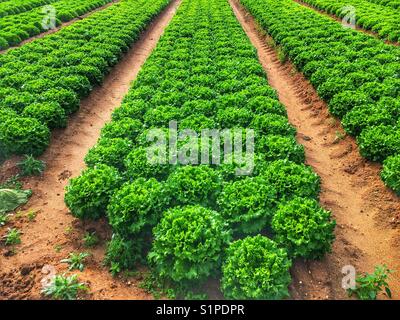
[388,3]
[196,219]
[357,75]
[42,82]
[16,28]
[18,6]
[384,21]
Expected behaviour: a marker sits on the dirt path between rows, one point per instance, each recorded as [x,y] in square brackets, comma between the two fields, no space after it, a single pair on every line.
[62,25]
[367,213]
[54,233]
[336,18]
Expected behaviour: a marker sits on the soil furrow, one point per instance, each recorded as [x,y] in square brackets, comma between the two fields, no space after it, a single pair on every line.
[367,213]
[55,233]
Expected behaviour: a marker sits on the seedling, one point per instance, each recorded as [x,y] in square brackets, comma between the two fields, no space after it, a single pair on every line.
[340,135]
[69,230]
[12,183]
[4,218]
[90,239]
[31,215]
[19,214]
[13,237]
[369,285]
[76,261]
[58,248]
[64,288]
[31,167]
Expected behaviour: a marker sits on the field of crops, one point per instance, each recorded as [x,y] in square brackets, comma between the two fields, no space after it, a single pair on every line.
[194,149]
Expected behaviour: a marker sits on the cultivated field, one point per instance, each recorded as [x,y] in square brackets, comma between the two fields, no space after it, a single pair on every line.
[199,149]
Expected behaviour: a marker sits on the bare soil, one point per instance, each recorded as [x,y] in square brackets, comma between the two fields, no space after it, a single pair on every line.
[366,212]
[54,233]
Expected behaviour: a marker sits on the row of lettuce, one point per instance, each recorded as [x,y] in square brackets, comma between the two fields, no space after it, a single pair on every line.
[42,82]
[18,6]
[191,222]
[356,74]
[387,3]
[383,20]
[16,28]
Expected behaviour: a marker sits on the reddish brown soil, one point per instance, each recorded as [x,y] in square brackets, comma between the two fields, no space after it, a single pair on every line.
[361,29]
[367,213]
[54,233]
[62,25]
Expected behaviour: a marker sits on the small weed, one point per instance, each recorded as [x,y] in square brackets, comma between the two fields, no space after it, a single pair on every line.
[76,261]
[12,237]
[31,167]
[64,288]
[340,135]
[58,248]
[31,215]
[19,215]
[4,218]
[369,285]
[69,230]
[90,239]
[12,183]
[153,286]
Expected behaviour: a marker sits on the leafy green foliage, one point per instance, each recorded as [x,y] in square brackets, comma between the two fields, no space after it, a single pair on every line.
[50,114]
[90,239]
[123,253]
[87,196]
[43,80]
[391,173]
[378,143]
[4,218]
[304,228]
[273,124]
[111,152]
[291,179]
[76,261]
[188,244]
[24,136]
[12,237]
[255,268]
[202,82]
[10,199]
[31,166]
[275,147]
[136,208]
[368,286]
[357,75]
[194,184]
[138,163]
[247,204]
[63,287]
[124,128]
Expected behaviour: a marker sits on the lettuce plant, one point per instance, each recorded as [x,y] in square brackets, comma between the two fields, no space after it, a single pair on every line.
[255,268]
[188,244]
[304,228]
